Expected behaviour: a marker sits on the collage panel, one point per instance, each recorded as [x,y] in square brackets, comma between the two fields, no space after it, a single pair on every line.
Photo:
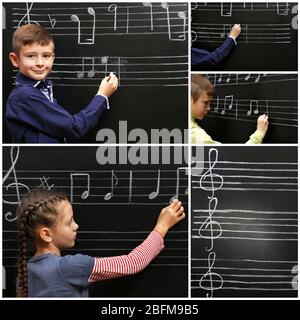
[244,203]
[248,108]
[244,36]
[141,46]
[118,195]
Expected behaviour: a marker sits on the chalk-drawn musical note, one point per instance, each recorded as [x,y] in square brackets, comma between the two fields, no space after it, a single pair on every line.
[27,15]
[85,177]
[104,60]
[91,71]
[228,102]
[14,155]
[247,77]
[155,193]
[113,8]
[194,36]
[282,8]
[91,37]
[210,229]
[149,5]
[253,103]
[228,78]
[110,194]
[130,187]
[214,279]
[295,278]
[214,186]
[217,107]
[257,78]
[182,15]
[226,9]
[178,183]
[52,21]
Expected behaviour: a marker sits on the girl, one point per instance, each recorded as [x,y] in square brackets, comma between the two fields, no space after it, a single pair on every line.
[46,219]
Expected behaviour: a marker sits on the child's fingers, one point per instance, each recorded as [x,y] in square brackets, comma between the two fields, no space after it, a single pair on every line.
[177,206]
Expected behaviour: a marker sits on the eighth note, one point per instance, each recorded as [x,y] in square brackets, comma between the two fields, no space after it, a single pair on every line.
[110,194]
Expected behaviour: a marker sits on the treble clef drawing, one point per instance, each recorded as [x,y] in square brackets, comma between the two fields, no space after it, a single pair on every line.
[215,281]
[9,216]
[214,185]
[210,224]
[27,15]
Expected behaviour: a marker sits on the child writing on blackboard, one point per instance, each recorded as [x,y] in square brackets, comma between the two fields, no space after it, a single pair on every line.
[204,58]
[46,219]
[32,113]
[202,91]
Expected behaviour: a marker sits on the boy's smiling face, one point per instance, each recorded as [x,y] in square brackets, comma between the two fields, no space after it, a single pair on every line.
[34,61]
[201,106]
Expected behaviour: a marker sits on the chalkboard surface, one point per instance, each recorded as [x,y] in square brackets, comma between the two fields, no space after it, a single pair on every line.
[144,44]
[268,40]
[244,223]
[116,207]
[239,100]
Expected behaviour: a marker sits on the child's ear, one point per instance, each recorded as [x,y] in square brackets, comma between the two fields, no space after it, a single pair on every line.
[14,59]
[46,234]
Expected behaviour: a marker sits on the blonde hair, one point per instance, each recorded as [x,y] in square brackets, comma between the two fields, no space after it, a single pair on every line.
[200,84]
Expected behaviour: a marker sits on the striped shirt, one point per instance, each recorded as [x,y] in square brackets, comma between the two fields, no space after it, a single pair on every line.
[137,260]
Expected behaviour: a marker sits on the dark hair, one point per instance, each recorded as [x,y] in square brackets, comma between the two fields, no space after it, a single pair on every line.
[200,84]
[29,34]
[36,208]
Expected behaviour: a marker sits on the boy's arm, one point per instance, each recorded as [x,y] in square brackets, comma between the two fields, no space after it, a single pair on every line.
[200,56]
[49,117]
[134,262]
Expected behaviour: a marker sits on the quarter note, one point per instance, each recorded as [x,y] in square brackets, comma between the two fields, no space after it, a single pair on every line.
[155,193]
[178,183]
[110,194]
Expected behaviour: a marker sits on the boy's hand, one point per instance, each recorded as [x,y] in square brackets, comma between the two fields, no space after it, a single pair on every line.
[235,31]
[262,124]
[169,216]
[108,85]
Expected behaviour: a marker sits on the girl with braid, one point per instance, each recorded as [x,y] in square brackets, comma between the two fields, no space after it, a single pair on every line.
[46,220]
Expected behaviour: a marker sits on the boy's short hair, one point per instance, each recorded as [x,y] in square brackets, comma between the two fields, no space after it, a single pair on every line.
[29,34]
[200,84]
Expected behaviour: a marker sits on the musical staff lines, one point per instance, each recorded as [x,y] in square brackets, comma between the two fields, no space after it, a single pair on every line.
[226,9]
[96,187]
[281,112]
[85,23]
[254,236]
[131,71]
[259,33]
[254,176]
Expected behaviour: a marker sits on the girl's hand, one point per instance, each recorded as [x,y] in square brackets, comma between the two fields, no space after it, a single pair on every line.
[169,216]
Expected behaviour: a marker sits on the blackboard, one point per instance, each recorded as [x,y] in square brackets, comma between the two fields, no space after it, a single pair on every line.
[244,223]
[144,44]
[268,40]
[239,100]
[115,205]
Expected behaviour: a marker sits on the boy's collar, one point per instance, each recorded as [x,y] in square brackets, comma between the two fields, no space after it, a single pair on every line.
[21,79]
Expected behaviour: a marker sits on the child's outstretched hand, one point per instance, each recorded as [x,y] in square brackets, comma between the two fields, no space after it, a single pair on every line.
[262,124]
[169,216]
[235,31]
[108,85]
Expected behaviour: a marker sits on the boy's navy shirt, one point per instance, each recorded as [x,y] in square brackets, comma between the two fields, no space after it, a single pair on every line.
[34,116]
[204,58]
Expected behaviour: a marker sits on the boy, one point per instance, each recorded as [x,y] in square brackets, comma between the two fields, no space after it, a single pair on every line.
[32,114]
[204,58]
[202,94]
